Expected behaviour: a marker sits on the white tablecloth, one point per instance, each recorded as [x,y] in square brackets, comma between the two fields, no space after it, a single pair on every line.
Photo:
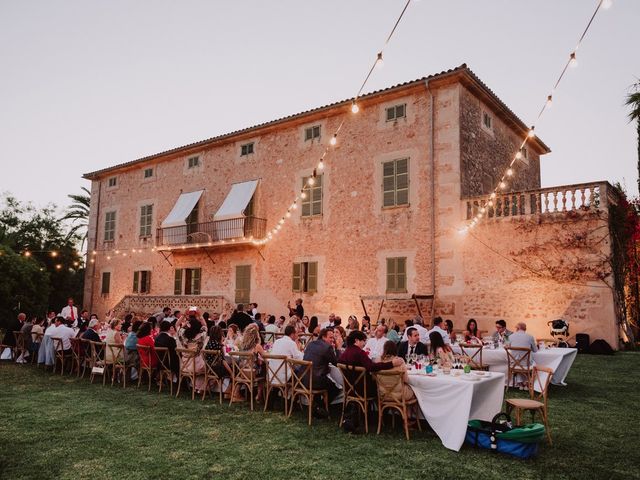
[557,359]
[449,402]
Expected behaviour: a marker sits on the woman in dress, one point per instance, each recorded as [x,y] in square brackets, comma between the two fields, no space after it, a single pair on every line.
[352,324]
[113,337]
[389,352]
[145,339]
[192,334]
[472,328]
[449,328]
[440,350]
[251,342]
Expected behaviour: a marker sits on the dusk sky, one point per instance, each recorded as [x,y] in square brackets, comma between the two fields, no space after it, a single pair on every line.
[88,84]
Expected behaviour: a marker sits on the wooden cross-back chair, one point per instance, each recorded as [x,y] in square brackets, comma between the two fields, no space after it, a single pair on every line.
[473,353]
[77,356]
[118,363]
[164,368]
[20,348]
[97,350]
[537,401]
[243,373]
[213,364]
[300,370]
[276,370]
[519,363]
[355,390]
[36,351]
[391,386]
[59,356]
[145,351]
[187,369]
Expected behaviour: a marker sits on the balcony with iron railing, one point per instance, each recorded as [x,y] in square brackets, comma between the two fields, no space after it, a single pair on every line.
[545,201]
[232,231]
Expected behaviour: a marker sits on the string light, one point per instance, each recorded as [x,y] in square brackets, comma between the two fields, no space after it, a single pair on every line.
[320,165]
[379,61]
[58,266]
[54,254]
[354,107]
[311,181]
[27,253]
[334,139]
[571,62]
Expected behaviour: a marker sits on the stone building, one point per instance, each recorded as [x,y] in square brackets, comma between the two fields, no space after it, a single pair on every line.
[378,229]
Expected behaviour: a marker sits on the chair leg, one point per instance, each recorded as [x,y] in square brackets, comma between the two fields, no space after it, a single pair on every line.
[366,417]
[405,421]
[416,407]
[545,420]
[150,374]
[310,407]
[344,407]
[266,397]
[379,417]
[179,385]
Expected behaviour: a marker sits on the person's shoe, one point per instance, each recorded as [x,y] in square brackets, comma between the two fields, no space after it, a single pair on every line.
[320,413]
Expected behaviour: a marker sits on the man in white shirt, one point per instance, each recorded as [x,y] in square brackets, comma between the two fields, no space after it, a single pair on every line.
[437,327]
[66,333]
[70,312]
[375,345]
[270,329]
[254,310]
[288,346]
[331,322]
[418,325]
[520,338]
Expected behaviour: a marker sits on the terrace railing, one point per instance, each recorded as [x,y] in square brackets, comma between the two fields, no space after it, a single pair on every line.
[545,201]
[217,231]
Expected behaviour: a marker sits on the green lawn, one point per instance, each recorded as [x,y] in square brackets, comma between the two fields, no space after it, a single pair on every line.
[61,427]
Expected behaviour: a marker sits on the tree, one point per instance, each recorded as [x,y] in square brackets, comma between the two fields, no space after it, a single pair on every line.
[40,237]
[633,101]
[78,213]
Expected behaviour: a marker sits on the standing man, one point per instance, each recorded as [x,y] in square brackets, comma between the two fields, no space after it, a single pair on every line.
[298,310]
[70,312]
[240,318]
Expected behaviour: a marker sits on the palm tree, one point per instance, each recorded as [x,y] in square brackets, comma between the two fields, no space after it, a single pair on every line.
[78,213]
[633,101]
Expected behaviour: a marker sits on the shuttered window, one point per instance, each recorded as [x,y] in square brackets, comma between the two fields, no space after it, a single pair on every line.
[106,283]
[146,216]
[109,226]
[305,277]
[312,204]
[243,283]
[395,182]
[142,281]
[397,275]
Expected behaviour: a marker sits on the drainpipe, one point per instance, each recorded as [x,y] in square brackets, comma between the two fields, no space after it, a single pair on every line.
[95,246]
[433,195]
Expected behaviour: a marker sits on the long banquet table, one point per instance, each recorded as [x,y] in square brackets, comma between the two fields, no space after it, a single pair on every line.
[557,359]
[448,402]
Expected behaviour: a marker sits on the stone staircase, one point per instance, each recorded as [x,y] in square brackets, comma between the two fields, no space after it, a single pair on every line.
[145,305]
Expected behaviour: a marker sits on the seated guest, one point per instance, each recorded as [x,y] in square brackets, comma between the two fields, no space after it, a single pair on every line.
[36,332]
[355,355]
[339,330]
[147,358]
[520,338]
[26,330]
[448,326]
[257,319]
[413,345]
[471,339]
[113,337]
[438,325]
[501,335]
[393,333]
[153,321]
[280,322]
[389,353]
[352,324]
[472,328]
[270,329]
[440,350]
[233,336]
[321,353]
[192,334]
[331,321]
[91,333]
[127,322]
[66,333]
[240,318]
[314,327]
[289,346]
[418,324]
[376,343]
[165,340]
[366,324]
[131,341]
[215,343]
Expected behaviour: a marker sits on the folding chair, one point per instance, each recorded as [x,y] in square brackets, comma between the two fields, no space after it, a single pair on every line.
[276,371]
[301,369]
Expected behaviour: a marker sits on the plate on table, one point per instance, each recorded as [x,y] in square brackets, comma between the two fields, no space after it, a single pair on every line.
[470,378]
[479,373]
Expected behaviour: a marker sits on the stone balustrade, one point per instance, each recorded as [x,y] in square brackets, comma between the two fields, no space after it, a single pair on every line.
[545,201]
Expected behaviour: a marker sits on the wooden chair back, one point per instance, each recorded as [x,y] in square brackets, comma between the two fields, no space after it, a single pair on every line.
[276,370]
[20,342]
[77,355]
[58,349]
[354,385]
[146,352]
[391,387]
[243,372]
[97,349]
[187,358]
[36,340]
[213,361]
[548,342]
[473,353]
[519,363]
[543,381]
[164,368]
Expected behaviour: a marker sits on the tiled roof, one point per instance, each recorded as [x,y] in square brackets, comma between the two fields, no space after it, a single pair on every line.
[201,143]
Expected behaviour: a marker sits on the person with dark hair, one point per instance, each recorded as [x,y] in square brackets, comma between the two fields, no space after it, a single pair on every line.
[289,346]
[440,350]
[355,355]
[438,324]
[280,322]
[314,327]
[191,335]
[147,358]
[366,324]
[472,328]
[501,335]
[449,328]
[131,341]
[127,322]
[258,321]
[321,353]
[154,325]
[165,340]
[210,323]
[413,345]
[240,318]
[270,329]
[298,310]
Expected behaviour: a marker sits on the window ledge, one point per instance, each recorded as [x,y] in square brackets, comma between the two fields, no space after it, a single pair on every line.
[396,207]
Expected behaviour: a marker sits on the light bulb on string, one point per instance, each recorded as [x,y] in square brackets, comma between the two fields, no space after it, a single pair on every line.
[288,214]
[94,253]
[320,165]
[58,267]
[519,155]
[379,61]
[549,101]
[531,132]
[281,221]
[334,139]
[294,205]
[117,252]
[606,4]
[503,185]
[509,172]
[493,195]
[27,253]
[311,181]
[354,107]
[303,195]
[93,260]
[54,254]
[573,61]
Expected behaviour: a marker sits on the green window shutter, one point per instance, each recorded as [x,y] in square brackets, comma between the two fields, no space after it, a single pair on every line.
[243,283]
[401,274]
[312,277]
[136,282]
[106,282]
[145,282]
[391,274]
[177,282]
[296,284]
[195,281]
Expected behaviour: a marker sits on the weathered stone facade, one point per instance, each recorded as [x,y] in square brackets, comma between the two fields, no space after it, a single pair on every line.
[448,153]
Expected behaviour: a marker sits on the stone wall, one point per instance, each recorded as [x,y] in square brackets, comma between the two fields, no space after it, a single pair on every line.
[486,153]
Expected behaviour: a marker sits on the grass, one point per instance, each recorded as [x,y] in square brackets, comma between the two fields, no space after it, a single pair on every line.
[62,427]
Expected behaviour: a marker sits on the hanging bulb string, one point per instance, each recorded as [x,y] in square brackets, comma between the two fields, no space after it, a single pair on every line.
[531,133]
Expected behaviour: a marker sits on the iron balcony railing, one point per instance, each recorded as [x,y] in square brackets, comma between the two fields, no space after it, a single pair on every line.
[217,231]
